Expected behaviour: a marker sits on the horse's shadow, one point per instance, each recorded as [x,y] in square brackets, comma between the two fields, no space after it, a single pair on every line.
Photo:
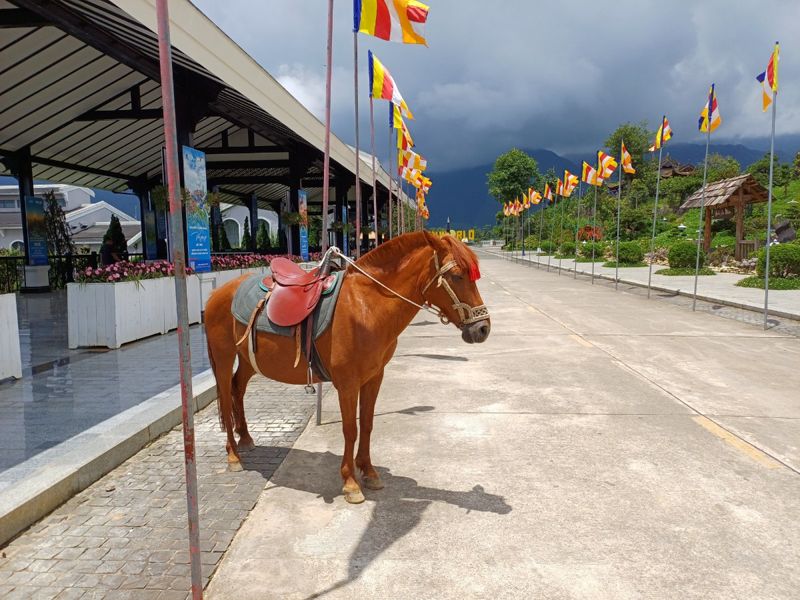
[398,508]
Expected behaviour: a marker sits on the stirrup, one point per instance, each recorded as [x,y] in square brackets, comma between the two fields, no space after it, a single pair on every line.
[309,387]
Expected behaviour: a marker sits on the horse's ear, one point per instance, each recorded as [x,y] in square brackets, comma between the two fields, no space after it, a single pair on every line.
[433,240]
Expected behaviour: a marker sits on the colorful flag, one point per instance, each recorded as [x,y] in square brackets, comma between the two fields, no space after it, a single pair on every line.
[409,158]
[505,209]
[548,193]
[536,197]
[517,207]
[570,182]
[526,200]
[383,87]
[627,161]
[589,175]
[404,141]
[712,109]
[559,188]
[663,135]
[769,79]
[606,165]
[391,20]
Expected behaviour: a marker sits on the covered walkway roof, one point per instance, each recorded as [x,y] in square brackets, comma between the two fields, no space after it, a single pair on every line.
[79,87]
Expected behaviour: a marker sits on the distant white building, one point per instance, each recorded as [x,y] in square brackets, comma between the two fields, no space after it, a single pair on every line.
[87,221]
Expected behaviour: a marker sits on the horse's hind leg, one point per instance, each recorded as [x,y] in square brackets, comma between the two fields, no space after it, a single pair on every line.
[222,352]
[348,400]
[366,404]
[243,374]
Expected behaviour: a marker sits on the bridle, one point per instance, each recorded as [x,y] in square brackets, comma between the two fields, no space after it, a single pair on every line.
[468,314]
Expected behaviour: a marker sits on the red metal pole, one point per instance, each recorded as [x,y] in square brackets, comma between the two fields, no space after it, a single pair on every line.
[358,151]
[176,225]
[326,165]
[374,177]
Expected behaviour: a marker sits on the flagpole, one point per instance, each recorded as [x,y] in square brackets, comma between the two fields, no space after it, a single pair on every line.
[769,208]
[577,231]
[541,230]
[390,167]
[561,233]
[358,152]
[619,206]
[655,211]
[326,162]
[374,176]
[594,217]
[552,232]
[700,234]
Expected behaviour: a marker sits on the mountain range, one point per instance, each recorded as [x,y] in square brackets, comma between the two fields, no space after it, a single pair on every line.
[462,196]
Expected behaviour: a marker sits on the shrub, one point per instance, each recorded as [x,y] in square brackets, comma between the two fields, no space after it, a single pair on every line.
[683,256]
[531,242]
[567,249]
[547,246]
[599,250]
[630,253]
[784,261]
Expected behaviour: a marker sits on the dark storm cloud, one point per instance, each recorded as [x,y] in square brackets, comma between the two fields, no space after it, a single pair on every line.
[557,75]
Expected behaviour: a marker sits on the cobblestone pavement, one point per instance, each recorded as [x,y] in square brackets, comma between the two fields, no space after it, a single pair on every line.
[126,535]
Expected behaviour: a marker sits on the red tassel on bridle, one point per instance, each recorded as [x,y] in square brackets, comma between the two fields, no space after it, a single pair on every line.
[474,272]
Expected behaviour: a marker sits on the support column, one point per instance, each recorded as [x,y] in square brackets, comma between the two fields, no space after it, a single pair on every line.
[216,223]
[252,205]
[739,225]
[707,231]
[23,171]
[341,206]
[366,216]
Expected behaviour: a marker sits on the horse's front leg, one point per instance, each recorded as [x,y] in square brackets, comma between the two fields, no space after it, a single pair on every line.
[348,399]
[367,399]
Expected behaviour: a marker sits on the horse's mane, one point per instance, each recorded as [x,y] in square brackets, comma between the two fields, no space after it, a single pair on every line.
[403,245]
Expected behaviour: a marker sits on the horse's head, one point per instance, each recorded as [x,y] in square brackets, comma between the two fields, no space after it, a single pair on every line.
[451,287]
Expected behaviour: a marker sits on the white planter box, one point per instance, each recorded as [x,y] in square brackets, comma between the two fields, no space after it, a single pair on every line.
[112,314]
[10,358]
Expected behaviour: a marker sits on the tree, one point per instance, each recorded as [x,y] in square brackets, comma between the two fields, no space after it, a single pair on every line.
[797,165]
[262,237]
[722,167]
[514,172]
[760,170]
[636,137]
[246,238]
[114,232]
[224,242]
[59,238]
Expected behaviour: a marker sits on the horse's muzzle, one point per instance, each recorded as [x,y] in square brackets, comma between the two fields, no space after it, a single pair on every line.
[476,333]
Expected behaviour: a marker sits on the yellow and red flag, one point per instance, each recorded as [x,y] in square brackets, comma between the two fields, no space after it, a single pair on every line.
[536,197]
[412,160]
[606,164]
[627,161]
[548,193]
[391,20]
[559,188]
[526,200]
[383,87]
[589,175]
[663,135]
[570,182]
[769,79]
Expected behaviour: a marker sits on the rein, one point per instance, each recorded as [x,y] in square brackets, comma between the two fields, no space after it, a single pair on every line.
[467,313]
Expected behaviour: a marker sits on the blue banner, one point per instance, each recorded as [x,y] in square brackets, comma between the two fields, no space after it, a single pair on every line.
[37,230]
[198,233]
[302,207]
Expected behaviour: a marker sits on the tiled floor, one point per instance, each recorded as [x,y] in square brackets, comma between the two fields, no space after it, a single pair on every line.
[64,392]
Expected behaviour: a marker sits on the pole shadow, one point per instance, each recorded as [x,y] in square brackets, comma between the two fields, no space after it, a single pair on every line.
[398,508]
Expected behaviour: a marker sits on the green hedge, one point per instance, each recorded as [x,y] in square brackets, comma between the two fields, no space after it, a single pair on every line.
[784,261]
[683,256]
[630,253]
[567,249]
[548,246]
[585,250]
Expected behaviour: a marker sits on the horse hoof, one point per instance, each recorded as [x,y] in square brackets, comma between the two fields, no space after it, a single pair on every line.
[353,496]
[235,467]
[373,483]
[246,444]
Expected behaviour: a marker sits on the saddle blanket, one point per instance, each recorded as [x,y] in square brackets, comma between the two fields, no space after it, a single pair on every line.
[250,292]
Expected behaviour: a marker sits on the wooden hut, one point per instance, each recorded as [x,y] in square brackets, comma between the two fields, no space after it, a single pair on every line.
[727,199]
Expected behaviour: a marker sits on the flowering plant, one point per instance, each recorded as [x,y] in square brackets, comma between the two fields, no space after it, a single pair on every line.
[227,262]
[127,271]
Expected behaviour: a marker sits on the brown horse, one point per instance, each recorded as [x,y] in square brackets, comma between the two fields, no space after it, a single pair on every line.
[416,269]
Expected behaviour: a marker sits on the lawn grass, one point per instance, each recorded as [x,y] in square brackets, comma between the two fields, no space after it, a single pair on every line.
[685,271]
[775,283]
[565,256]
[589,259]
[612,265]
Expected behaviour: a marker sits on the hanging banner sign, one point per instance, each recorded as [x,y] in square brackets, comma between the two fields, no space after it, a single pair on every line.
[302,207]
[198,233]
[36,227]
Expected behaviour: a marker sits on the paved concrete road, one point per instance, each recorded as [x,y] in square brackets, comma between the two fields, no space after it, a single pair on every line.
[598,445]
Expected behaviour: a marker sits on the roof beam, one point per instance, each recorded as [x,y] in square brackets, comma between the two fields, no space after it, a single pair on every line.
[249,180]
[115,115]
[48,162]
[12,18]
[244,150]
[247,164]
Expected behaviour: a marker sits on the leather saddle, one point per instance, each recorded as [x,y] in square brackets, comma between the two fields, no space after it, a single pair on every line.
[295,293]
